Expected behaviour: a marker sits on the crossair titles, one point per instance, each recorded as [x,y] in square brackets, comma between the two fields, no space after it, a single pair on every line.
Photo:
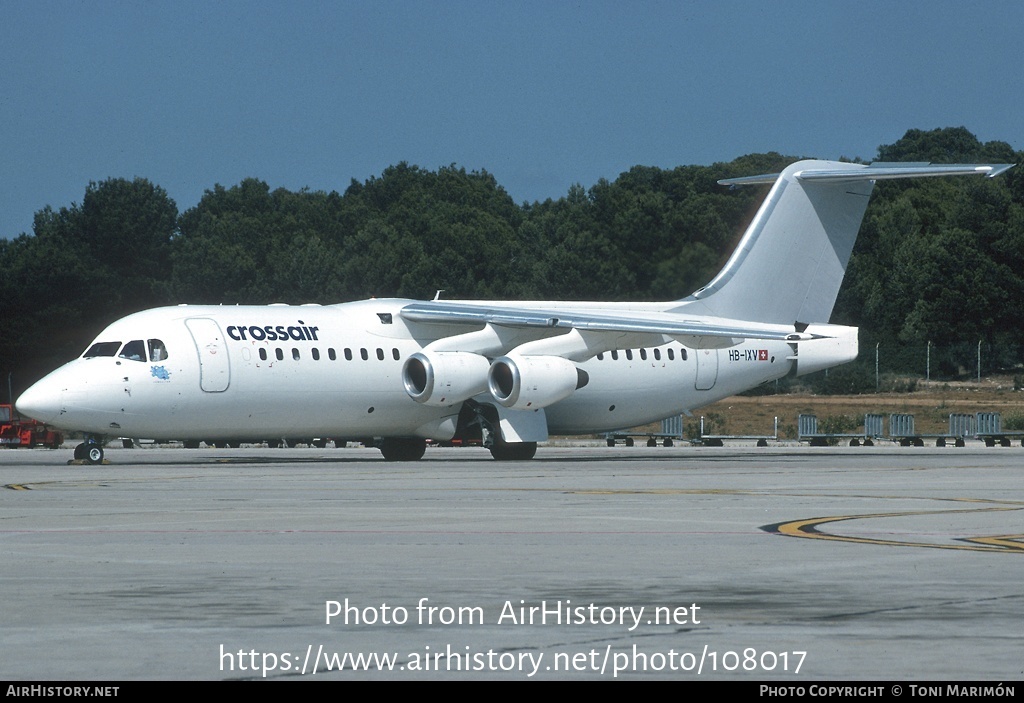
[273,333]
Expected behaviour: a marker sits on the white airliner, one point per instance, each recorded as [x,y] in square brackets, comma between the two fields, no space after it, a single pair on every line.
[394,373]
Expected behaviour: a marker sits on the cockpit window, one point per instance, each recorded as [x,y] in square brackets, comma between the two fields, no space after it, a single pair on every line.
[102,349]
[157,350]
[134,350]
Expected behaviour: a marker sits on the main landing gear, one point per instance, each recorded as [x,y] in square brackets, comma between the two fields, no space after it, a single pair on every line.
[402,448]
[513,451]
[410,449]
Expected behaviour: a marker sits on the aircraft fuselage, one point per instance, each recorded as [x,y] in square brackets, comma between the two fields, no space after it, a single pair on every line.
[259,372]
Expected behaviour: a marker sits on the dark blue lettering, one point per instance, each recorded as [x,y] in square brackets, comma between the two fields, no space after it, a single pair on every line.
[273,333]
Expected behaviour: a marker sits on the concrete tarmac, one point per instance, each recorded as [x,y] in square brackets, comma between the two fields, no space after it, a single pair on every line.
[785,564]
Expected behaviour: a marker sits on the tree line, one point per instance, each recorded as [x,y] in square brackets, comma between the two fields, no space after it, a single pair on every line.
[938,260]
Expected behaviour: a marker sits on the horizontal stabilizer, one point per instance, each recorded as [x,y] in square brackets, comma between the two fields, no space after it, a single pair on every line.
[878,171]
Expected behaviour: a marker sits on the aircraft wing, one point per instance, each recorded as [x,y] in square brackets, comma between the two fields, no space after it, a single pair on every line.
[637,322]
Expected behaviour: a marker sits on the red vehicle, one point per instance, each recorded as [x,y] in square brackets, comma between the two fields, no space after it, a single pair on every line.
[16,431]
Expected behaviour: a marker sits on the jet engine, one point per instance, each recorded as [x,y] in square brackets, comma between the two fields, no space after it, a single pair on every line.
[532,382]
[444,378]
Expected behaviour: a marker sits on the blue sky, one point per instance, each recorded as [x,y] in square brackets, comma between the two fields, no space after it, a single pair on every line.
[541,94]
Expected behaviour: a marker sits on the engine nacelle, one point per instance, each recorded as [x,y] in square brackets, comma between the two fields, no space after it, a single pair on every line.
[532,382]
[444,378]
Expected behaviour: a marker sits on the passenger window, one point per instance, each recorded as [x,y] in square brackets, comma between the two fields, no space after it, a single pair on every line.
[643,354]
[657,355]
[102,349]
[380,354]
[671,355]
[395,354]
[134,350]
[279,354]
[600,357]
[615,355]
[263,353]
[331,354]
[682,354]
[316,354]
[363,354]
[348,355]
[295,354]
[157,350]
[629,354]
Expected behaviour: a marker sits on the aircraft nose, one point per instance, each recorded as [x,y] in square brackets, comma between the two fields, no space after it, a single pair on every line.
[42,401]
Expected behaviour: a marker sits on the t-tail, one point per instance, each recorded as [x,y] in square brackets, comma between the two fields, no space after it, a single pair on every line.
[791,260]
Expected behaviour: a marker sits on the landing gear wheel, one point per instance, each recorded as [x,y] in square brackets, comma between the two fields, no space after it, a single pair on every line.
[652,442]
[80,451]
[93,453]
[513,451]
[402,449]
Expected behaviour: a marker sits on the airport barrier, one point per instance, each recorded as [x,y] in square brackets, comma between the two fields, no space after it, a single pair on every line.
[983,426]
[988,429]
[719,440]
[671,432]
[807,431]
[902,431]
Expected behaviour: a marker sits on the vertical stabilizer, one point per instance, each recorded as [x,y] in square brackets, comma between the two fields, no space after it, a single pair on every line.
[791,260]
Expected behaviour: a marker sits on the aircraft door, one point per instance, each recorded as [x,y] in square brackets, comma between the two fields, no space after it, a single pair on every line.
[214,367]
[707,368]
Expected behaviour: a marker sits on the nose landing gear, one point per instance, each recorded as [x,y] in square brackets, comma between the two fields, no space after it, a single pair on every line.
[89,451]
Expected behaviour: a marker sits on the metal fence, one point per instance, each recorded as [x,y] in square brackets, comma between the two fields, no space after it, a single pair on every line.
[933,362]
